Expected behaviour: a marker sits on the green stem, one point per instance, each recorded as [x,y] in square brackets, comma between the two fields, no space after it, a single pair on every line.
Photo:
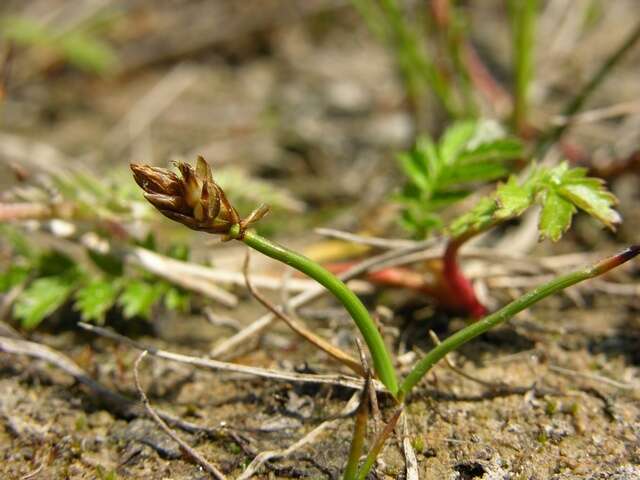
[381,358]
[359,434]
[523,14]
[376,448]
[507,312]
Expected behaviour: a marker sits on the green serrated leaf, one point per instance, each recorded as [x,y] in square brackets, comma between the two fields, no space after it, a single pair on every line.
[513,199]
[427,152]
[412,169]
[560,191]
[500,149]
[43,297]
[455,140]
[138,297]
[469,152]
[593,199]
[479,217]
[95,299]
[555,218]
[474,172]
[445,198]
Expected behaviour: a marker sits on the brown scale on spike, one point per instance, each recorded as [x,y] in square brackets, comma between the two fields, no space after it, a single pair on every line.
[193,198]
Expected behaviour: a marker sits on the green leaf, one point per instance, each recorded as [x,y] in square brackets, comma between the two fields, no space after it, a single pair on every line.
[560,191]
[179,251]
[445,198]
[95,299]
[176,299]
[43,297]
[593,199]
[469,152]
[513,199]
[478,218]
[54,263]
[87,53]
[138,297]
[555,218]
[24,31]
[18,241]
[455,140]
[12,276]
[148,242]
[474,172]
[413,170]
[501,149]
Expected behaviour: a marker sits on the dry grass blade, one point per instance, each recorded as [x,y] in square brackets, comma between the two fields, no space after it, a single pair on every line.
[190,452]
[337,380]
[300,329]
[174,271]
[147,259]
[378,242]
[310,437]
[593,377]
[411,461]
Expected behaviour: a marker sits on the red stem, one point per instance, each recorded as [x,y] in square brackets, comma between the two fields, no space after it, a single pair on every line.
[458,285]
[451,290]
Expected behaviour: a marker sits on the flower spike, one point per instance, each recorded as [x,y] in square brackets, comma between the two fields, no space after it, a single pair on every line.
[193,198]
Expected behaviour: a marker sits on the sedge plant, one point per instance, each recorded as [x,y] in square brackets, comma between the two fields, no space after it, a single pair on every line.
[194,199]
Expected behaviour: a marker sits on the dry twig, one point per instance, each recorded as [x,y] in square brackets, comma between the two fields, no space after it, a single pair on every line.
[373,398]
[592,376]
[337,380]
[411,462]
[310,437]
[387,243]
[188,451]
[300,329]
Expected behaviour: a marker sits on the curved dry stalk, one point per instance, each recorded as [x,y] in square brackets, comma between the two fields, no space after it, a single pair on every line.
[337,380]
[190,452]
[300,329]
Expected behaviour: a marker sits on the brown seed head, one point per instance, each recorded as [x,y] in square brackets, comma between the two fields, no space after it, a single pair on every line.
[194,199]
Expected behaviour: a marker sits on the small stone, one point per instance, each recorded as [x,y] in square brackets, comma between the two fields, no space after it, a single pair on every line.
[348,98]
